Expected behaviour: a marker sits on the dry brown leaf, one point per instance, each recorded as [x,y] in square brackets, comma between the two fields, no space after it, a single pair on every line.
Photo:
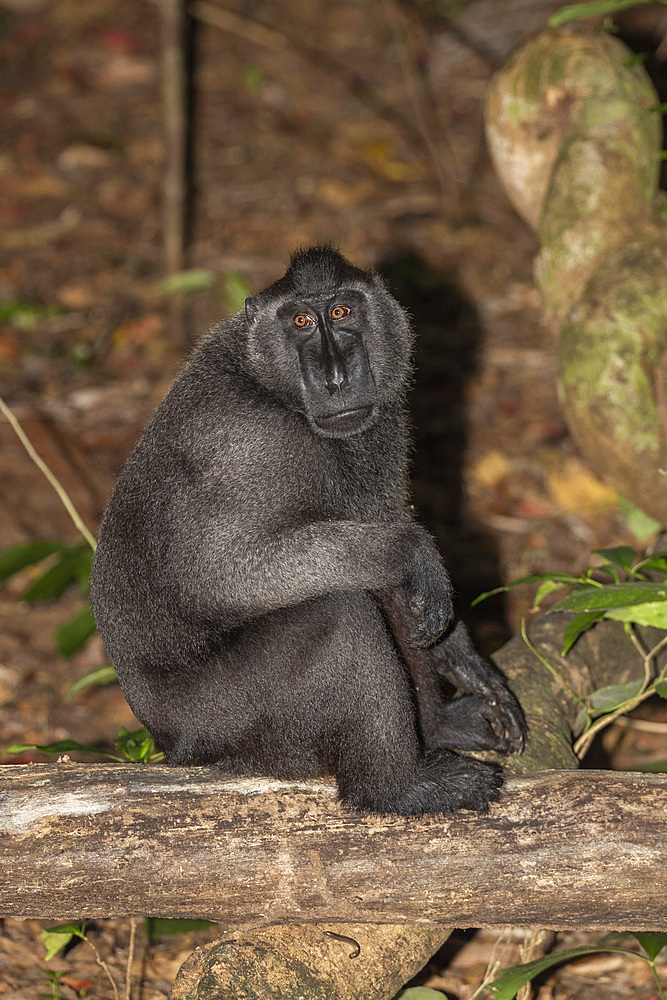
[380,156]
[341,195]
[491,468]
[573,486]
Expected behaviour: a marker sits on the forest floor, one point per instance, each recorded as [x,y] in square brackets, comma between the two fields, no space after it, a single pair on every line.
[355,123]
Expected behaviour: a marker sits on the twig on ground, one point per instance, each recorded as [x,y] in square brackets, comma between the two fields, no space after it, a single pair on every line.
[130,959]
[50,476]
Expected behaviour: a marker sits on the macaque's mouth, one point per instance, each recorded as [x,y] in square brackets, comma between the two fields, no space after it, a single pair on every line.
[344,423]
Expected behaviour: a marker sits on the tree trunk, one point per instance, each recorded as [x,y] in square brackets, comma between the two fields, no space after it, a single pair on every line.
[303,961]
[574,130]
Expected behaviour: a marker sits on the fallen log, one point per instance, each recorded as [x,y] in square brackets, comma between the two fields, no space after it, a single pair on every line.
[561,849]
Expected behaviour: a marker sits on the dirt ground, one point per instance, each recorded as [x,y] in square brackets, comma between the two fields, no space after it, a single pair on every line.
[356,123]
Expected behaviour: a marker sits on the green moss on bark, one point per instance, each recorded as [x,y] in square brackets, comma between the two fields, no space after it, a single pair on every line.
[574,137]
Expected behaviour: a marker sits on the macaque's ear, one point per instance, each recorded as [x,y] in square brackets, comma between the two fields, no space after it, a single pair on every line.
[251,309]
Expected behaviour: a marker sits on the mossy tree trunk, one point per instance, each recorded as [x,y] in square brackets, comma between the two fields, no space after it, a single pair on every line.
[574,131]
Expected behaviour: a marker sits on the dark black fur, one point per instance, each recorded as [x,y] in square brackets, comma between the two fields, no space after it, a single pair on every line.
[268,601]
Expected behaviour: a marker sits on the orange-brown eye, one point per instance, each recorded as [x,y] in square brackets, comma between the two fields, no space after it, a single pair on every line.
[338,312]
[302,320]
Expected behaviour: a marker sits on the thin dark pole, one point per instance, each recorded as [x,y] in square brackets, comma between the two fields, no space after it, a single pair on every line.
[175,100]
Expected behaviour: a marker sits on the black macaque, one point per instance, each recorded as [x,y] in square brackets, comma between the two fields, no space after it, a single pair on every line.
[261,586]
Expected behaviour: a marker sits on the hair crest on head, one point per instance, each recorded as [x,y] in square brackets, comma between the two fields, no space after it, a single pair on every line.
[321,266]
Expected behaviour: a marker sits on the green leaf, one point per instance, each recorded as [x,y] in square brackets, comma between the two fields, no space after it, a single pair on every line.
[622,555]
[653,613]
[25,315]
[157,927]
[100,677]
[607,699]
[607,568]
[136,746]
[654,767]
[615,595]
[581,720]
[13,560]
[596,8]
[640,524]
[565,578]
[51,584]
[84,567]
[55,938]
[545,588]
[75,632]
[661,688]
[72,566]
[509,982]
[580,624]
[187,282]
[657,562]
[62,746]
[252,77]
[235,290]
[652,942]
[53,977]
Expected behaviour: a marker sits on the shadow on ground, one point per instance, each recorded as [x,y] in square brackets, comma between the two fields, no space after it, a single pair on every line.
[448,336]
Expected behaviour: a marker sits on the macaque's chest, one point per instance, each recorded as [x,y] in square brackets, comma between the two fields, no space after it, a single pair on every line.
[303,477]
[356,484]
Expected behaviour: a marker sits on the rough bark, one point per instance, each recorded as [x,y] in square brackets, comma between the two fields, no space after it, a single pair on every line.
[575,137]
[604,655]
[560,849]
[302,961]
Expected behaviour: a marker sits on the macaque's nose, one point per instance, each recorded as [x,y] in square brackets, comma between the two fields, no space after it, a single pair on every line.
[335,375]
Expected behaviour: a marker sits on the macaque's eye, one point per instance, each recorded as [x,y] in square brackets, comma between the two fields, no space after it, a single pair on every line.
[303,320]
[338,312]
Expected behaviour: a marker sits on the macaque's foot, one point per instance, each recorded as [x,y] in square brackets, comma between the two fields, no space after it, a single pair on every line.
[505,717]
[487,705]
[447,782]
[478,722]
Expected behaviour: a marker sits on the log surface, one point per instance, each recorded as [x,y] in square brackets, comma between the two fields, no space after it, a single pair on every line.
[561,849]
